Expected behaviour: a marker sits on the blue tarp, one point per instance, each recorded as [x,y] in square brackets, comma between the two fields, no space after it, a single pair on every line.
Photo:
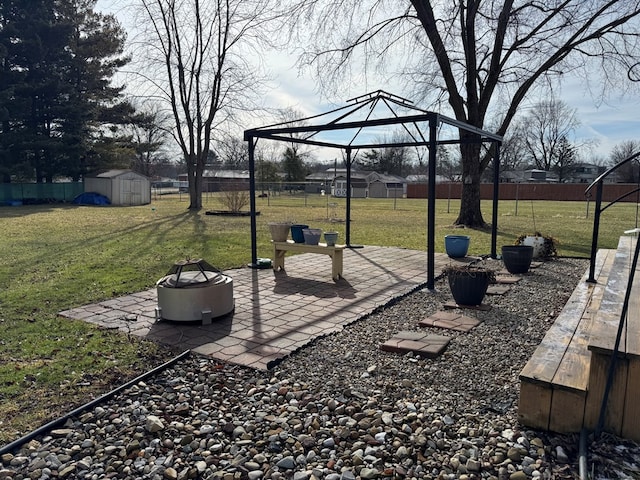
[91,198]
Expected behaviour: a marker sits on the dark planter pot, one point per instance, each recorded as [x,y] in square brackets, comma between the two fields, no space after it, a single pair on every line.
[517,258]
[468,288]
[456,246]
[296,233]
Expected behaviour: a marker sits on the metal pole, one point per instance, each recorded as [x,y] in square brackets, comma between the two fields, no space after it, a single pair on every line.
[431,206]
[348,226]
[252,203]
[594,238]
[496,195]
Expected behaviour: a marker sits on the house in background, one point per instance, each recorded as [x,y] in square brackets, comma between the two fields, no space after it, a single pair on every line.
[382,185]
[532,175]
[121,187]
[221,180]
[359,184]
[586,173]
[319,182]
[363,184]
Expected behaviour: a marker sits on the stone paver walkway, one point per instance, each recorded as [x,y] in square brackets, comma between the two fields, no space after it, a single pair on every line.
[451,320]
[424,344]
[276,313]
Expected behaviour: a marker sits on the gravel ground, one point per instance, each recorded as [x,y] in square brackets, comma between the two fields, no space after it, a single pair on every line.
[342,409]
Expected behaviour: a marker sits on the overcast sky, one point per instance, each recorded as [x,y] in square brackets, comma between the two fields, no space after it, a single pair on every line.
[608,124]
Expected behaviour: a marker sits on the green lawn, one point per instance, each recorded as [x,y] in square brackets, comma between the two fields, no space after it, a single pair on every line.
[58,257]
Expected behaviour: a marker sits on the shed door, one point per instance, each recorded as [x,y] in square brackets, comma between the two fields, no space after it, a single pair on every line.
[131,192]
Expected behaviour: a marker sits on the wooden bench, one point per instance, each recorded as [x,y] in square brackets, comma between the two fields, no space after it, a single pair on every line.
[335,252]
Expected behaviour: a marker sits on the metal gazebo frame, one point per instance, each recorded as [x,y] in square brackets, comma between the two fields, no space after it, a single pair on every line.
[303,131]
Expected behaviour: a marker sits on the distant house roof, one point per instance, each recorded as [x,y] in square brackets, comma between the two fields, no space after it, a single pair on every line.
[233,174]
[385,178]
[112,173]
[533,175]
[425,178]
[320,176]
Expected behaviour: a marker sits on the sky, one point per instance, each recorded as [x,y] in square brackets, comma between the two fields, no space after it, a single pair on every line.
[606,124]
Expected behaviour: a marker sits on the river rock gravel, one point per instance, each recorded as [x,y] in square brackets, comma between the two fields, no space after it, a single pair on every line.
[342,409]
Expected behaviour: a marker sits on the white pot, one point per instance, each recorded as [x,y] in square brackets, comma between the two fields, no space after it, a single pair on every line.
[536,242]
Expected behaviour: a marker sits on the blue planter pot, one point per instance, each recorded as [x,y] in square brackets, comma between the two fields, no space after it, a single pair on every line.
[296,233]
[456,246]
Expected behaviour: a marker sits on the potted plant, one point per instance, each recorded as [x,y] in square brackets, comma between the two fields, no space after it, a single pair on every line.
[469,283]
[544,246]
[279,231]
[296,232]
[517,258]
[330,238]
[457,246]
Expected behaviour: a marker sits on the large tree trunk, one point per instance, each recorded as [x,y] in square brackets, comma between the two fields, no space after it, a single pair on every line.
[194,175]
[470,213]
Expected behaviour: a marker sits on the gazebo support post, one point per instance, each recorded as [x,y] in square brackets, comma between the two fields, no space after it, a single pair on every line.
[496,195]
[431,205]
[252,202]
[348,216]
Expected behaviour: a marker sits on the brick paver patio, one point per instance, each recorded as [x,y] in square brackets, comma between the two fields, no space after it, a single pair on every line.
[276,313]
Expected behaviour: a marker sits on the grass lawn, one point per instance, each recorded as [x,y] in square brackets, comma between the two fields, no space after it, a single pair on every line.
[56,257]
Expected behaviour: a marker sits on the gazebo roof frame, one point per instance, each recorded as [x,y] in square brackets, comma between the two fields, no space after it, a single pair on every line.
[307,131]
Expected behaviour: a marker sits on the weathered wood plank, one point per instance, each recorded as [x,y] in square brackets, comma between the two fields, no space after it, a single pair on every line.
[633,319]
[573,371]
[534,405]
[631,419]
[597,381]
[547,358]
[567,410]
[605,325]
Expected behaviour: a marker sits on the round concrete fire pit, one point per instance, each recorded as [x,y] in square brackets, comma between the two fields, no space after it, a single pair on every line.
[193,291]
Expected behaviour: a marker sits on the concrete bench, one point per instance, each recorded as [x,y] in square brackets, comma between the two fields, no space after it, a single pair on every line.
[335,252]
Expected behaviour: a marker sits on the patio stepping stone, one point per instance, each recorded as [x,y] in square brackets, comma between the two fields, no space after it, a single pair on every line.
[507,279]
[424,344]
[452,320]
[497,289]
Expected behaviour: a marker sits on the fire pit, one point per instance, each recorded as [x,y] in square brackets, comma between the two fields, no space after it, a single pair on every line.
[192,291]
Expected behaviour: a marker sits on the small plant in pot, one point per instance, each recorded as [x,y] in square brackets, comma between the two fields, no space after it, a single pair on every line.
[469,283]
[544,246]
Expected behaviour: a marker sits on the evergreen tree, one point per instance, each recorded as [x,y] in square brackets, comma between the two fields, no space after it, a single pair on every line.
[57,59]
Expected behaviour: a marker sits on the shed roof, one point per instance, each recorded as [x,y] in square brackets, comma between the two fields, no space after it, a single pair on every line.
[113,173]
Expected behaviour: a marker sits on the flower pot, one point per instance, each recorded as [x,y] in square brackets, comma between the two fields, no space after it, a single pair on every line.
[536,242]
[517,258]
[468,288]
[296,232]
[330,238]
[311,235]
[279,231]
[457,246]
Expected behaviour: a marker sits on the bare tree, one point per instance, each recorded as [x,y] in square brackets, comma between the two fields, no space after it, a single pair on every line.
[630,172]
[198,53]
[233,153]
[394,159]
[148,136]
[545,131]
[482,58]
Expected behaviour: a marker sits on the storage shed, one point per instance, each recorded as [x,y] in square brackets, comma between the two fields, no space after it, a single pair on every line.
[122,187]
